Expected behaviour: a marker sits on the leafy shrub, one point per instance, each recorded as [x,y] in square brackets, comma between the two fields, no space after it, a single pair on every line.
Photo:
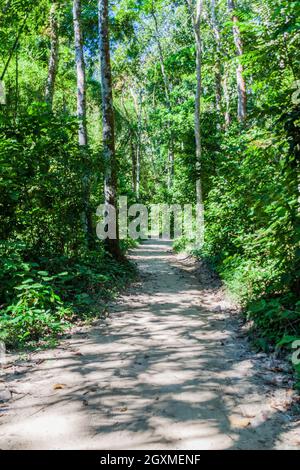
[252,229]
[36,312]
[37,303]
[48,276]
[275,317]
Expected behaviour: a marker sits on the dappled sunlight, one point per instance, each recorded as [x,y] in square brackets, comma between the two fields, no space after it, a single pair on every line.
[164,371]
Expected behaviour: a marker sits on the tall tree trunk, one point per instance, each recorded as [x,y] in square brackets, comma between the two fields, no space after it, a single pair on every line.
[54,54]
[133,163]
[161,57]
[81,114]
[167,98]
[171,166]
[218,72]
[139,147]
[136,170]
[108,124]
[241,84]
[227,116]
[196,13]
[80,73]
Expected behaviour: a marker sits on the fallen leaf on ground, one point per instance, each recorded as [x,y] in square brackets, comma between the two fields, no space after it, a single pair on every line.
[123,409]
[39,361]
[58,386]
[239,421]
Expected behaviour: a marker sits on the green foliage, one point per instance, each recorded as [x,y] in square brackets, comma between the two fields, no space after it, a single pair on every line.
[252,229]
[36,312]
[40,298]
[249,171]
[276,317]
[41,181]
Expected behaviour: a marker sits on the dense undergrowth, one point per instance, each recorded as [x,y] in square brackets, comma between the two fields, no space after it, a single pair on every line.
[42,298]
[49,277]
[252,228]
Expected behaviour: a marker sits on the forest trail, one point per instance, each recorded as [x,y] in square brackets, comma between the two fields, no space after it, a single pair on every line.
[168,369]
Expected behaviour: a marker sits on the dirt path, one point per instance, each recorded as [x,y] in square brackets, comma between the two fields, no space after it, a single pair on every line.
[168,369]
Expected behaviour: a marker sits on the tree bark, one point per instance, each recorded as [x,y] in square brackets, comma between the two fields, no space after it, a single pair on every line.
[227,116]
[136,161]
[80,73]
[196,13]
[133,163]
[167,97]
[161,57]
[54,54]
[138,170]
[218,72]
[81,115]
[241,84]
[108,124]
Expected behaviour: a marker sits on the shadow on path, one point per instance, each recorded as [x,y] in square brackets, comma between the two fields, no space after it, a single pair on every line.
[166,370]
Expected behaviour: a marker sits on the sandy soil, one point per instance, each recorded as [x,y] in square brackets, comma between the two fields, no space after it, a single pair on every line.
[168,369]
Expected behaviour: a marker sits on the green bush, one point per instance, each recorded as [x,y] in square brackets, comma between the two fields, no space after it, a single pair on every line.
[40,298]
[36,312]
[48,276]
[252,229]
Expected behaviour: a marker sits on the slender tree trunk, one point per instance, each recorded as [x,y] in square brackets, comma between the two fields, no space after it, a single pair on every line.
[81,114]
[218,72]
[139,148]
[161,57]
[167,97]
[133,163]
[80,73]
[137,158]
[227,116]
[171,166]
[138,170]
[241,84]
[196,13]
[54,54]
[135,144]
[108,124]
[17,82]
